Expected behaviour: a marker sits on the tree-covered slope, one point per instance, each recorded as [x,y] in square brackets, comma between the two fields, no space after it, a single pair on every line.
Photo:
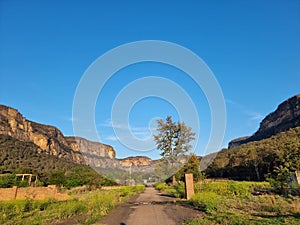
[252,161]
[25,157]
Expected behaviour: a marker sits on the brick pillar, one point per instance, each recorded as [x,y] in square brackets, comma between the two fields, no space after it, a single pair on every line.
[189,185]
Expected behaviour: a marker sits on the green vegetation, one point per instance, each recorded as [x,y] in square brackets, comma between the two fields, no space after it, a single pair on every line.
[173,140]
[9,180]
[288,162]
[192,166]
[25,157]
[232,203]
[88,207]
[176,191]
[278,155]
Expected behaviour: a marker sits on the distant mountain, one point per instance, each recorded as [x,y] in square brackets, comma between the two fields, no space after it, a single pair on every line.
[49,140]
[18,156]
[286,116]
[251,158]
[136,161]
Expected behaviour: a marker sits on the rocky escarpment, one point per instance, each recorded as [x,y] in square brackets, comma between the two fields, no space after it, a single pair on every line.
[238,141]
[49,138]
[90,147]
[286,116]
[136,161]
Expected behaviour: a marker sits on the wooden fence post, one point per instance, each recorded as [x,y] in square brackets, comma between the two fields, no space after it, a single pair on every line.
[189,185]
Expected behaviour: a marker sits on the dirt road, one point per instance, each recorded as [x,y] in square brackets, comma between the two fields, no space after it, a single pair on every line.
[149,208]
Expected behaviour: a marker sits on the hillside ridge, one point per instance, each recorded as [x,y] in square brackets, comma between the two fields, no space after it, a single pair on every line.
[52,141]
[286,116]
[49,138]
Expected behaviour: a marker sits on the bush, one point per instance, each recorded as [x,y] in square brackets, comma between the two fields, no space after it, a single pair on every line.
[230,188]
[160,186]
[207,201]
[7,181]
[180,190]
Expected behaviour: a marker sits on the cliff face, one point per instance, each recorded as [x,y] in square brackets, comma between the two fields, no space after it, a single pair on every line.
[49,138]
[90,147]
[238,141]
[136,161]
[286,116]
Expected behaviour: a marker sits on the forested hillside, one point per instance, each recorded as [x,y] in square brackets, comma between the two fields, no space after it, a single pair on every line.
[254,160]
[25,157]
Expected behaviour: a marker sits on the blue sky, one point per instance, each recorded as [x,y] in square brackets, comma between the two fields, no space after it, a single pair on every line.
[252,47]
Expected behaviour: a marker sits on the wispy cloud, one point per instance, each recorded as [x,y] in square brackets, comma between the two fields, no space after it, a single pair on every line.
[253,116]
[73,119]
[140,132]
[231,101]
[111,138]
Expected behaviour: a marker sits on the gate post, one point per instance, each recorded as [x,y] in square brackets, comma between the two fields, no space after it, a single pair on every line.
[189,185]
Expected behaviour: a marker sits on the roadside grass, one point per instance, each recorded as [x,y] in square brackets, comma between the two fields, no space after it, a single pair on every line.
[232,203]
[176,191]
[91,205]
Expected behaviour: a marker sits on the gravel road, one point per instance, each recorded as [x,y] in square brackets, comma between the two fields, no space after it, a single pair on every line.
[149,208]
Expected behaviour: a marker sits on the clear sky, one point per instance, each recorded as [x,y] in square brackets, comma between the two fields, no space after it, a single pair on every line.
[252,47]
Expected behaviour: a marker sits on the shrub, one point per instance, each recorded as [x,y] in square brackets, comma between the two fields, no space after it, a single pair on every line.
[207,201]
[160,186]
[180,190]
[230,188]
[7,181]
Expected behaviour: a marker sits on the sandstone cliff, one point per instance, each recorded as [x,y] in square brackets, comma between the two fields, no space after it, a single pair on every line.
[136,161]
[49,138]
[286,116]
[90,147]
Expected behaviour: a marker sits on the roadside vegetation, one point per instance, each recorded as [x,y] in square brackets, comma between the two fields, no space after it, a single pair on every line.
[276,158]
[236,202]
[86,207]
[230,202]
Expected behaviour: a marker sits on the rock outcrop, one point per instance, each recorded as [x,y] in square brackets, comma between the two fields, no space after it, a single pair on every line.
[49,138]
[136,161]
[90,147]
[286,116]
[238,141]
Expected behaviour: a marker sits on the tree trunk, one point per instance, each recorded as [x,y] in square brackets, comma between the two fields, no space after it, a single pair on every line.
[256,170]
[174,182]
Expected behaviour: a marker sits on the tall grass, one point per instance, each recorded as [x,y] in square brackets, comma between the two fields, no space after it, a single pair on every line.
[206,201]
[232,203]
[230,188]
[91,205]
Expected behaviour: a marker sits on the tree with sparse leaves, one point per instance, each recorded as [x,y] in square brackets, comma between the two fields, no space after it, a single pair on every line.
[173,139]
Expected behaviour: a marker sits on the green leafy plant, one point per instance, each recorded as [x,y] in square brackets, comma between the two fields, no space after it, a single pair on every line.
[207,201]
